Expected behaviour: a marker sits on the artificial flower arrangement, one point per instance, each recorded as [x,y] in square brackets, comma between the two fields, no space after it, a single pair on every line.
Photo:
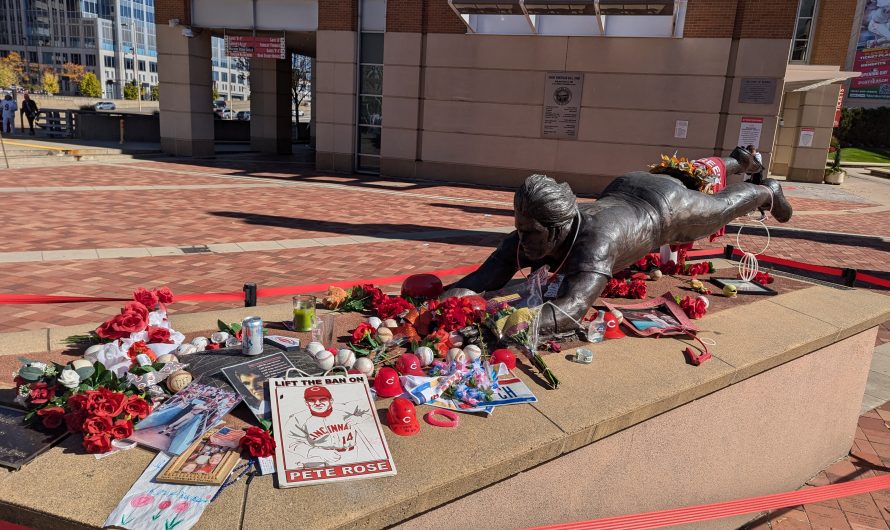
[83,397]
[695,308]
[693,174]
[117,381]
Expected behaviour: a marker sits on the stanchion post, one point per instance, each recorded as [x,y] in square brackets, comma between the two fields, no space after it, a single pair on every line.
[122,130]
[249,294]
[727,251]
[3,145]
[849,276]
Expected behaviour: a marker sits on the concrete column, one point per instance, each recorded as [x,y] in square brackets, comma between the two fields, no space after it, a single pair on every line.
[185,92]
[312,106]
[270,106]
[402,104]
[816,112]
[334,101]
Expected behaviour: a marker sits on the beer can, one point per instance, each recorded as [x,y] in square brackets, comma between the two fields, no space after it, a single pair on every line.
[252,336]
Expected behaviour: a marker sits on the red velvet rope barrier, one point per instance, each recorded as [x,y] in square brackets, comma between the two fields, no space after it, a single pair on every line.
[230,296]
[237,296]
[719,510]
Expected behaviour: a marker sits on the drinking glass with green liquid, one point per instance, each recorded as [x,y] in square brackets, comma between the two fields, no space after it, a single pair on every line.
[304,312]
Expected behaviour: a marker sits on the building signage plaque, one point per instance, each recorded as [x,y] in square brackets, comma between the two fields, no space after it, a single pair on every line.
[759,90]
[562,104]
[256,47]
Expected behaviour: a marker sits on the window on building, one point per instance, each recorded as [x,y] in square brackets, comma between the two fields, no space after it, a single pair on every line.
[75,58]
[225,77]
[803,31]
[91,59]
[128,64]
[153,67]
[370,102]
[109,61]
[141,66]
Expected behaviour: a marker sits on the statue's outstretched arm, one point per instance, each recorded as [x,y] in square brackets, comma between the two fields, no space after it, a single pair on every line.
[581,291]
[497,270]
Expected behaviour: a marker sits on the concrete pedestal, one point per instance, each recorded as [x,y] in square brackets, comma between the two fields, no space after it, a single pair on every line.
[185,90]
[637,430]
[270,106]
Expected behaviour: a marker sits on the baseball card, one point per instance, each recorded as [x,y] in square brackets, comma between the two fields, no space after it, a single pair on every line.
[327,430]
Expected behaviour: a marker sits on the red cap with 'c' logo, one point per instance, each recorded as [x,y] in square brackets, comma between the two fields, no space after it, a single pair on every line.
[387,384]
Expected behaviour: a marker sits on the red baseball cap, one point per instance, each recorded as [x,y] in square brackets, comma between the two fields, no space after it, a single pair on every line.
[402,417]
[612,329]
[315,392]
[387,383]
[409,364]
[503,355]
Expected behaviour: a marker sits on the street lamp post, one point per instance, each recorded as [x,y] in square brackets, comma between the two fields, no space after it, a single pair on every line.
[135,63]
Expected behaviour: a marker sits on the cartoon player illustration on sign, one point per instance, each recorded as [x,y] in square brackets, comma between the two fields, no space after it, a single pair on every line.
[327,433]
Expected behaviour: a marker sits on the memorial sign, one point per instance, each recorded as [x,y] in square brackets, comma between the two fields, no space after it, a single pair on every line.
[20,443]
[562,104]
[749,132]
[758,90]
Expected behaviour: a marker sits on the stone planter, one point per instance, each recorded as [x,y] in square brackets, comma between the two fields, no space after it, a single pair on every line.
[835,177]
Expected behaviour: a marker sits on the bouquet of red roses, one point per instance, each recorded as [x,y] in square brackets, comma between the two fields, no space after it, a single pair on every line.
[83,398]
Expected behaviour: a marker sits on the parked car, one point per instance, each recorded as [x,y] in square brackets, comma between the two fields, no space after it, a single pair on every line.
[104,105]
[219,104]
[227,114]
[243,115]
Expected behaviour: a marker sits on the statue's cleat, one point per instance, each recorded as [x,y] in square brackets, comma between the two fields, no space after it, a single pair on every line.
[749,164]
[781,209]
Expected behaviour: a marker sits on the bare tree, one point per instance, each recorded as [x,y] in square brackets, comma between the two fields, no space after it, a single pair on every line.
[301,78]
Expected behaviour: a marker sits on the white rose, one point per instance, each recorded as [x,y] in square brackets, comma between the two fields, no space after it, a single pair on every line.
[219,337]
[69,378]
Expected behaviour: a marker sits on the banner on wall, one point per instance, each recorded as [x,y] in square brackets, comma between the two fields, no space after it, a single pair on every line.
[873,53]
[838,107]
[256,47]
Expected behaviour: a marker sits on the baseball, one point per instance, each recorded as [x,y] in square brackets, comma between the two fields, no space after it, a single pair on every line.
[325,360]
[456,355]
[345,358]
[178,380]
[390,323]
[425,355]
[375,322]
[364,365]
[314,347]
[472,352]
[384,335]
[167,358]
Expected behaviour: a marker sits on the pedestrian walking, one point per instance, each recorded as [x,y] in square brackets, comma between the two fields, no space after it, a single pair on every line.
[30,111]
[8,110]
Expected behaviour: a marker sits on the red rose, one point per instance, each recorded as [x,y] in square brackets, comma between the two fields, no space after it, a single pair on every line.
[133,318]
[140,348]
[359,333]
[159,335]
[637,289]
[97,425]
[693,307]
[122,429]
[697,269]
[74,421]
[52,417]
[92,401]
[112,404]
[257,443]
[654,259]
[77,402]
[40,393]
[642,264]
[763,278]
[137,407]
[145,297]
[392,307]
[97,443]
[669,268]
[616,289]
[164,294]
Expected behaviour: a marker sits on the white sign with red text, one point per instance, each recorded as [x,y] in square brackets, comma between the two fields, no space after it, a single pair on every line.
[326,430]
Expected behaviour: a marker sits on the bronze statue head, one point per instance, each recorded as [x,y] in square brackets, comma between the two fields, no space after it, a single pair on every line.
[544,211]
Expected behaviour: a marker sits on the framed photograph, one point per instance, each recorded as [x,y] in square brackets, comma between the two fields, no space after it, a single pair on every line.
[207,461]
[250,380]
[744,287]
[656,317]
[182,419]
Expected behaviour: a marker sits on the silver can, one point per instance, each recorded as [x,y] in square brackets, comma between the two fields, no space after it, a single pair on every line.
[252,336]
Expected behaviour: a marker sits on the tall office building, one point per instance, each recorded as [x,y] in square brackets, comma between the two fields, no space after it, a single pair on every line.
[114,39]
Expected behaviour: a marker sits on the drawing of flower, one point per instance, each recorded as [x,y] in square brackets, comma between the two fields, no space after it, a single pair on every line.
[141,500]
[179,508]
[163,505]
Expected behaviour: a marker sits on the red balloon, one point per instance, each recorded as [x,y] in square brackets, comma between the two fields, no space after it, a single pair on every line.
[422,286]
[505,356]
